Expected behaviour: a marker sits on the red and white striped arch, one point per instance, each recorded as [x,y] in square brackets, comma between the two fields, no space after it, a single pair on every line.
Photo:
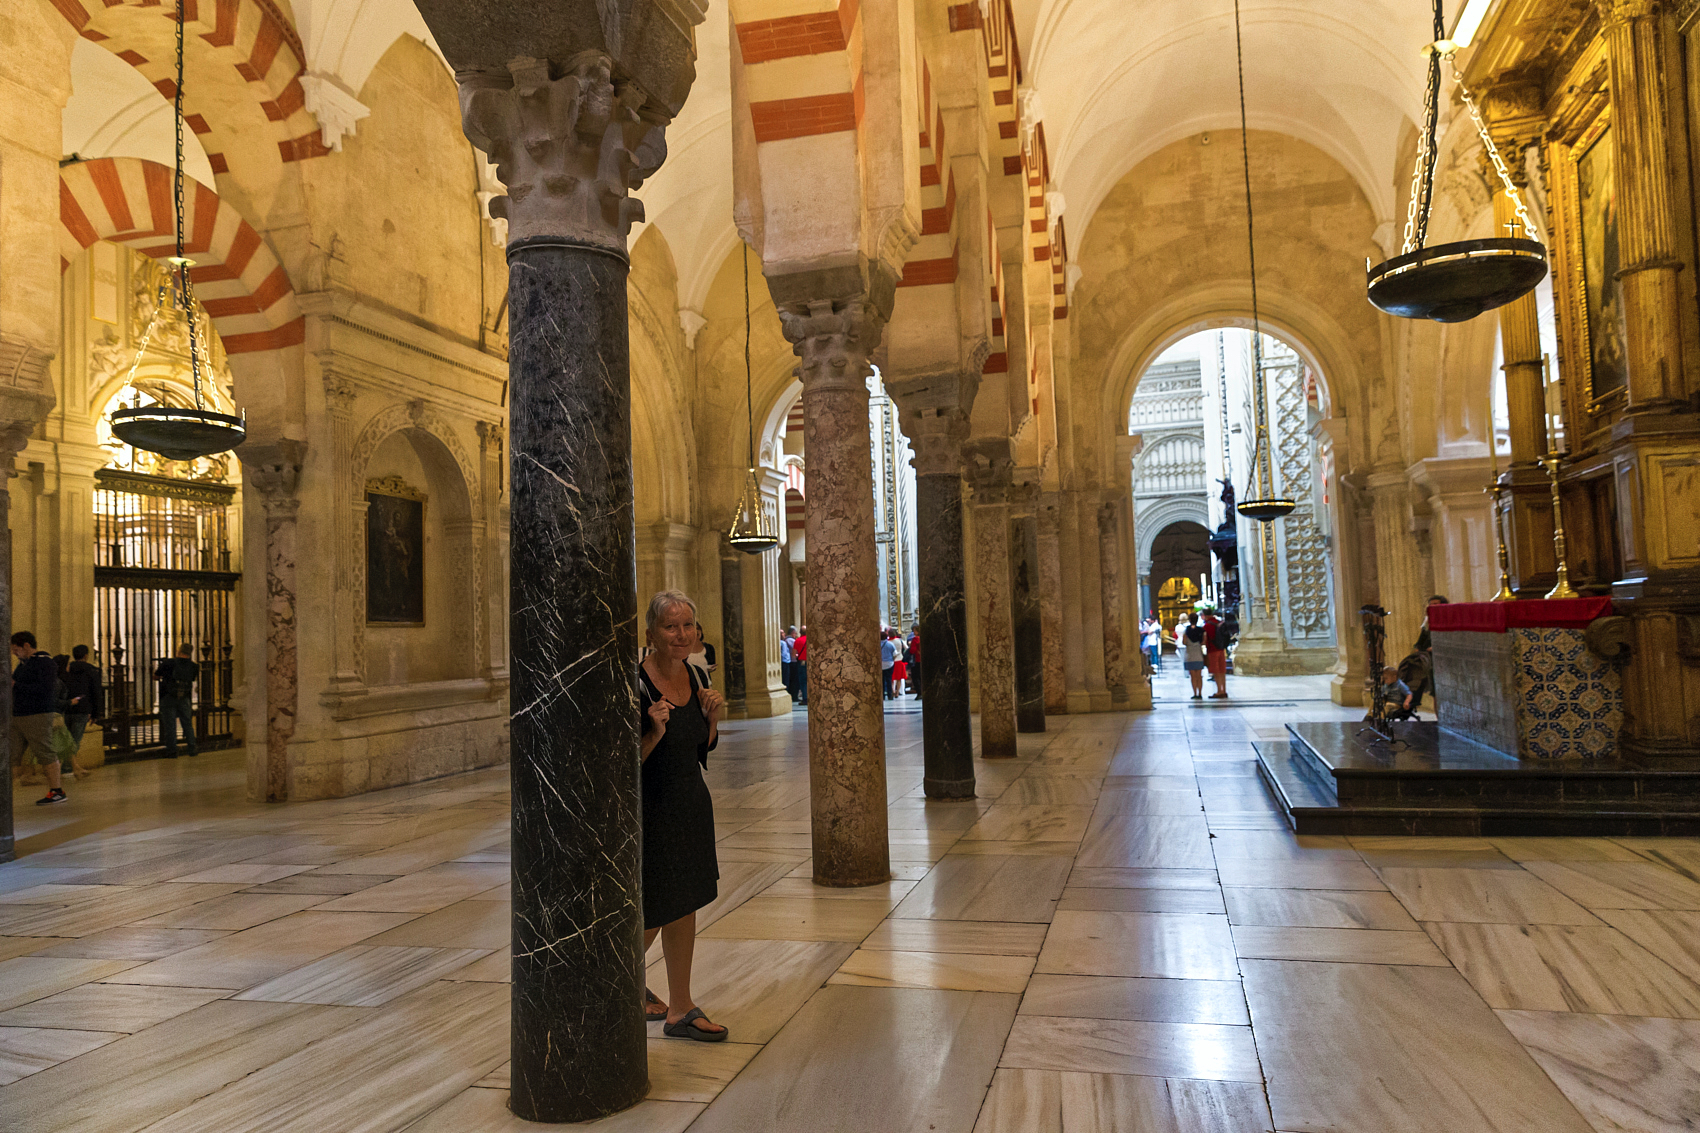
[128,201]
[932,261]
[253,37]
[802,62]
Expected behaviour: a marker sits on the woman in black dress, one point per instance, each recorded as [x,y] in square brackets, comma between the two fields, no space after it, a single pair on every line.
[680,725]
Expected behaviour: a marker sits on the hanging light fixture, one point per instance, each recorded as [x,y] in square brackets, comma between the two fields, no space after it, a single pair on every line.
[753,529]
[1453,282]
[1263,504]
[174,432]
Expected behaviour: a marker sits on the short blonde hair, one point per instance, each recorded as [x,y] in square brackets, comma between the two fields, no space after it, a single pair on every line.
[664,600]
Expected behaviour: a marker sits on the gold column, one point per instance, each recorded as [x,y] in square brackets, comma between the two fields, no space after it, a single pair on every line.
[1520,337]
[1646,228]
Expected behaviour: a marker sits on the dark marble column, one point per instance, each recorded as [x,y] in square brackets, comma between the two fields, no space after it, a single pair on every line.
[946,723]
[988,463]
[570,100]
[832,339]
[1029,638]
[731,657]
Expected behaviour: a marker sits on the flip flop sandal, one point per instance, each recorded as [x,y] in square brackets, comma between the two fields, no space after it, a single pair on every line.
[649,1003]
[686,1028]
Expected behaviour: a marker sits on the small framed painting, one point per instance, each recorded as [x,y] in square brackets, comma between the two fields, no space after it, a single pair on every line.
[395,553]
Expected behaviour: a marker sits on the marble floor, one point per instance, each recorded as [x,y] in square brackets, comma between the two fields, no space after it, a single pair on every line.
[1118,934]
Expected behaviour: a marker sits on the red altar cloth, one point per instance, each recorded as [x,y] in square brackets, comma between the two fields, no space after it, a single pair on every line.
[1534,613]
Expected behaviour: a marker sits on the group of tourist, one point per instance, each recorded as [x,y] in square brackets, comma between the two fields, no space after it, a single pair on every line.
[898,657]
[54,698]
[794,663]
[1203,640]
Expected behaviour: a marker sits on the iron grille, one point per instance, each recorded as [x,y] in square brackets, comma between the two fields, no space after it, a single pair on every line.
[162,578]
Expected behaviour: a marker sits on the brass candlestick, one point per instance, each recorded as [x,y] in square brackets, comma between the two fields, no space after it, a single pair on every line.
[1563,589]
[1505,594]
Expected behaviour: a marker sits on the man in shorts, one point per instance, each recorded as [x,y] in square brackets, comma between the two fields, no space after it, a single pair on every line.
[35,698]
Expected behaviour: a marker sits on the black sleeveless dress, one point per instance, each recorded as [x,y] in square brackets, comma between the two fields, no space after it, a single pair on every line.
[680,872]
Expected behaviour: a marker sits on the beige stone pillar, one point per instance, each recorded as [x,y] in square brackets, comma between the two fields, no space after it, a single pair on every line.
[988,466]
[348,510]
[1646,222]
[1051,603]
[832,339]
[1110,575]
[1396,561]
[492,466]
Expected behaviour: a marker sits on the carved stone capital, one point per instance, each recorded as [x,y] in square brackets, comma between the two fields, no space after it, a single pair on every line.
[339,393]
[1616,12]
[492,435]
[26,393]
[832,340]
[274,471]
[936,435]
[989,463]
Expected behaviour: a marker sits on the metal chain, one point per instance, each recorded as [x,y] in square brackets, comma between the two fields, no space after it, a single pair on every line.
[1523,217]
[1422,173]
[749,395]
[185,297]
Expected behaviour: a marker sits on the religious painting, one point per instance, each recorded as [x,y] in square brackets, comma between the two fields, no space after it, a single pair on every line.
[1602,293]
[395,553]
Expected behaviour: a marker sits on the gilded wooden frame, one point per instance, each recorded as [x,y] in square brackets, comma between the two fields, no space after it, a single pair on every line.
[1590,123]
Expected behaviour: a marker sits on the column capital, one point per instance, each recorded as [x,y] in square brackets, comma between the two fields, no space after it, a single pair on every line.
[274,471]
[571,102]
[1616,12]
[339,393]
[26,393]
[832,339]
[989,464]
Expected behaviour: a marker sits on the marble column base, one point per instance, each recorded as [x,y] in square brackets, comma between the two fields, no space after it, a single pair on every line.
[948,743]
[579,1045]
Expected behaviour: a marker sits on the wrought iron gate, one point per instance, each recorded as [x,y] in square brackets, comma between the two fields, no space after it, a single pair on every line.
[162,578]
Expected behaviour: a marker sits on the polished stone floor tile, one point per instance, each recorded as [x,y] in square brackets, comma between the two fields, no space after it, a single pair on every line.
[1121,1046]
[1013,822]
[1619,885]
[1483,895]
[134,943]
[1151,842]
[465,924]
[235,911]
[1054,790]
[1621,1072]
[110,1007]
[61,895]
[1050,1101]
[1087,877]
[363,975]
[1386,1049]
[739,881]
[952,971]
[426,891]
[330,884]
[988,888]
[1264,874]
[1270,845]
[249,873]
[1564,850]
[11,946]
[753,987]
[1135,801]
[890,893]
[1141,900]
[985,938]
[1566,968]
[392,1067]
[1140,999]
[89,915]
[480,1110]
[1337,945]
[1317,908]
[28,978]
[254,955]
[1671,936]
[984,847]
[1436,859]
[683,1070]
[25,1050]
[148,1077]
[798,918]
[1172,945]
[900,1059]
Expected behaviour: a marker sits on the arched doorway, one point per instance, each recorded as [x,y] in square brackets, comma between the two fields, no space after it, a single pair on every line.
[1180,570]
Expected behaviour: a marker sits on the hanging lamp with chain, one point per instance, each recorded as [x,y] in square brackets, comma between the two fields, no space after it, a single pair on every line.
[1450,283]
[1263,504]
[753,528]
[175,432]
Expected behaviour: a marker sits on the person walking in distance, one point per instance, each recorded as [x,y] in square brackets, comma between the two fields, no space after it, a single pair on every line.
[800,653]
[888,659]
[786,660]
[177,676]
[88,699]
[1192,641]
[35,698]
[1216,654]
